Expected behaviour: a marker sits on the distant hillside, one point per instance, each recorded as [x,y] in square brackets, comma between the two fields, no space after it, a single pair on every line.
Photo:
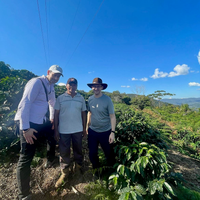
[192,102]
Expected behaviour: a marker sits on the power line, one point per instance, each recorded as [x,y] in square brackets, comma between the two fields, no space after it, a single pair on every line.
[86,30]
[47,30]
[71,26]
[42,32]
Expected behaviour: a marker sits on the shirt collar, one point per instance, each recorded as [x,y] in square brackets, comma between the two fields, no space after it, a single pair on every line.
[46,80]
[77,94]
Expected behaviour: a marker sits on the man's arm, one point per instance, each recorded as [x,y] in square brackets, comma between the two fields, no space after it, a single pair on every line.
[31,92]
[88,120]
[56,122]
[113,124]
[84,120]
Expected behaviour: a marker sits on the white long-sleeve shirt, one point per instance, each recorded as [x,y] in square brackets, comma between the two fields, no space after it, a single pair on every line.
[33,105]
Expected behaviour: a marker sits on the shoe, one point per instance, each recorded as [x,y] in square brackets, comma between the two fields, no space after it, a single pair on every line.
[49,163]
[27,197]
[63,177]
[78,169]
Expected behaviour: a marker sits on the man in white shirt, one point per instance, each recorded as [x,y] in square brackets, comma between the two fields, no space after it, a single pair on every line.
[38,94]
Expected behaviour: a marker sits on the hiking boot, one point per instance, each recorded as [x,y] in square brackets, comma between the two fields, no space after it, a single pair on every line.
[49,163]
[27,197]
[78,169]
[63,177]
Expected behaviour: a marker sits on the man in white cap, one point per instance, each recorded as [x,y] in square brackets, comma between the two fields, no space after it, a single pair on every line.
[39,94]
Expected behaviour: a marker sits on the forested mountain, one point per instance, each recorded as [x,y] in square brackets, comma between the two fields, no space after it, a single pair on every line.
[192,102]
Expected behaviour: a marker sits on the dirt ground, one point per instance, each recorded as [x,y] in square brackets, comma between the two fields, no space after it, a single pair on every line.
[187,166]
[43,180]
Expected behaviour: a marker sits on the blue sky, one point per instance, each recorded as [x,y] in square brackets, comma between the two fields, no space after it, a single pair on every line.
[134,46]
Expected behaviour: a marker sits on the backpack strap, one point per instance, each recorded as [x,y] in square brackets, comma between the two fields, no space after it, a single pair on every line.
[44,89]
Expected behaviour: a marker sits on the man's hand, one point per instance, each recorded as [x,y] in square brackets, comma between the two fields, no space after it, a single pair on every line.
[84,133]
[56,135]
[52,122]
[111,138]
[29,135]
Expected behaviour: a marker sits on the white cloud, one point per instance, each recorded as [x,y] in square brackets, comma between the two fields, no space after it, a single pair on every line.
[127,86]
[194,84]
[90,72]
[61,84]
[179,70]
[144,79]
[198,57]
[134,79]
[158,74]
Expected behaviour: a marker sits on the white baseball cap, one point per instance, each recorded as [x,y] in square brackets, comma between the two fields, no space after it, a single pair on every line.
[56,69]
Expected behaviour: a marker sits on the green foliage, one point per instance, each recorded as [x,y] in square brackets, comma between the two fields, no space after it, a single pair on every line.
[141,101]
[4,70]
[98,191]
[140,172]
[159,94]
[140,167]
[132,125]
[126,100]
[12,83]
[184,193]
[59,90]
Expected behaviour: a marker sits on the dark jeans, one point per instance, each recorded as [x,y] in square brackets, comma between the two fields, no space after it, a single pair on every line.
[27,153]
[96,138]
[64,148]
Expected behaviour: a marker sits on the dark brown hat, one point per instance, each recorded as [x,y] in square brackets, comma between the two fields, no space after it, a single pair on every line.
[98,81]
[72,80]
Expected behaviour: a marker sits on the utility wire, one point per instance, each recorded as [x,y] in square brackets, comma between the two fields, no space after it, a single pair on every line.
[42,32]
[47,31]
[86,30]
[71,27]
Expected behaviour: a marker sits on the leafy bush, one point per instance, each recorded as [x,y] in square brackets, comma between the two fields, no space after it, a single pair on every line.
[140,172]
[99,191]
[132,125]
[141,166]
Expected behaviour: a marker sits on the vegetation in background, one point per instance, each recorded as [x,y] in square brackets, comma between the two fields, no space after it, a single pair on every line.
[145,127]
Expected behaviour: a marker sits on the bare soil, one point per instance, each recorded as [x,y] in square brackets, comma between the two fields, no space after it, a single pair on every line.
[43,180]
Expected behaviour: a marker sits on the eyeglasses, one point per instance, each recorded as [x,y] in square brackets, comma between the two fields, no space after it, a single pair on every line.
[97,86]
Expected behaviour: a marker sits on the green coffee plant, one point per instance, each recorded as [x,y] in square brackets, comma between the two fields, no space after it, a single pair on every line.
[133,126]
[140,172]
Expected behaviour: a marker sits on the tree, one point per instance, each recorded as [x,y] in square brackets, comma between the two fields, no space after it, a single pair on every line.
[159,94]
[185,107]
[116,96]
[4,70]
[141,101]
[126,100]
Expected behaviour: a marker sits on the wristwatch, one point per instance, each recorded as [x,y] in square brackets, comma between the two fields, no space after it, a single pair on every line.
[113,131]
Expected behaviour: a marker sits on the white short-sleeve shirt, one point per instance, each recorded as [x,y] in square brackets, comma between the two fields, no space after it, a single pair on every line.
[70,116]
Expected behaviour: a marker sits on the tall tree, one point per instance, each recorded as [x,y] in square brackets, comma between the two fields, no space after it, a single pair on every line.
[159,94]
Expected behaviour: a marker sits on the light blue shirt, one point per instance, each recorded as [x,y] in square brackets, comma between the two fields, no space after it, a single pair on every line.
[33,105]
[70,116]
